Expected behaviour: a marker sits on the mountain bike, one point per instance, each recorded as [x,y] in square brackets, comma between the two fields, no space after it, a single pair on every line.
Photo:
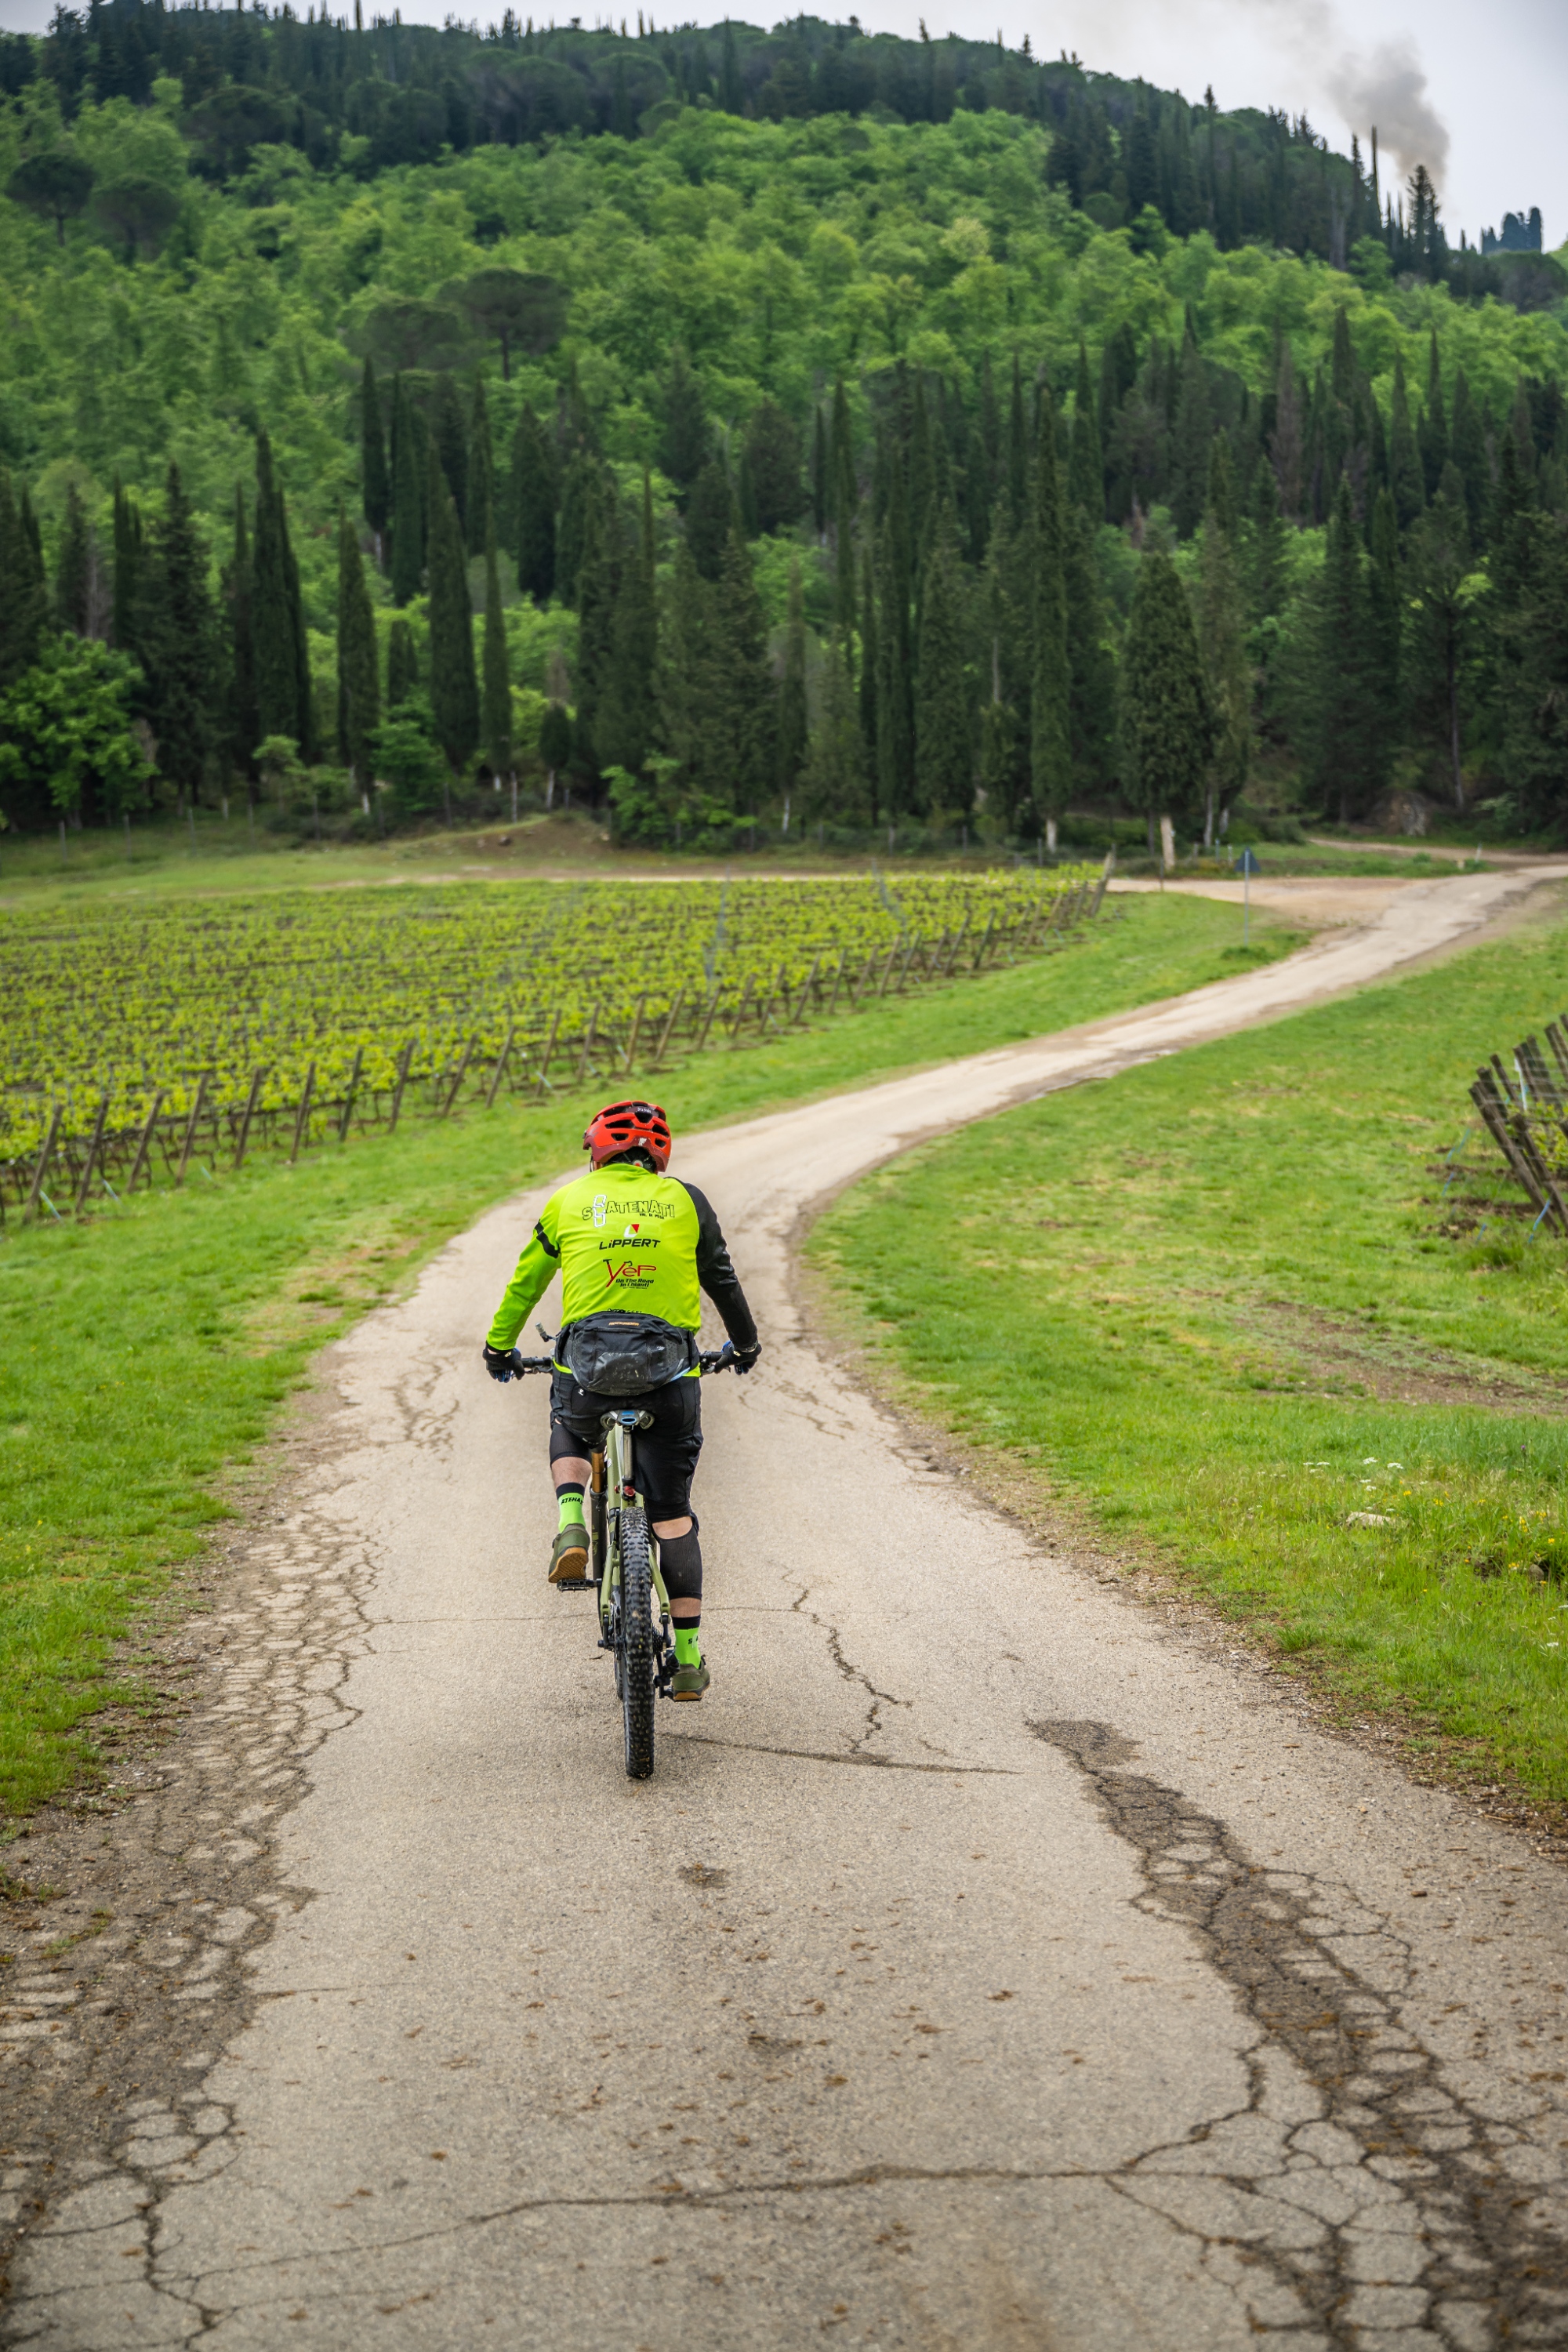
[623,1567]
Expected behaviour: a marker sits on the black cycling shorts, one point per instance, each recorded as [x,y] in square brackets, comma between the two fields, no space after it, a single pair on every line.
[665,1455]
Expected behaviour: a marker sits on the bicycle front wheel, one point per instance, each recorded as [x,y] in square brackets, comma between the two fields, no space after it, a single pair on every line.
[635,1649]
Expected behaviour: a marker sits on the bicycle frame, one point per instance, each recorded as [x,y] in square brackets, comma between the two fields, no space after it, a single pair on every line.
[614,1491]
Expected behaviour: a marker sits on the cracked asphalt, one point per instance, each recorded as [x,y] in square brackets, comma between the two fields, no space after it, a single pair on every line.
[423,2027]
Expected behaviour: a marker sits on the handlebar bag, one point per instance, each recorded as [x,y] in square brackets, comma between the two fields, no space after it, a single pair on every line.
[626,1355]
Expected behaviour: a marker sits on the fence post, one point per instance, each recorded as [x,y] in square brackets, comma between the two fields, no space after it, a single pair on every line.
[1108,869]
[633,1040]
[587,1045]
[505,1051]
[544,1057]
[741,1014]
[145,1145]
[45,1156]
[706,1023]
[191,1128]
[403,1061]
[246,1117]
[349,1098]
[805,997]
[304,1114]
[92,1152]
[669,1021]
[837,984]
[462,1073]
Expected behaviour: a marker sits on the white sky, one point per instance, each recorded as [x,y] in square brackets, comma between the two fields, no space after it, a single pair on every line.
[1490,84]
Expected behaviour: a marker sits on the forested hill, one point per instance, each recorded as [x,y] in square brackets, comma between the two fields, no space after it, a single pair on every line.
[727,343]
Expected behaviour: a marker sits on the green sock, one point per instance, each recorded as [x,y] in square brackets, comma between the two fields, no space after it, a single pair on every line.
[688,1648]
[571,1502]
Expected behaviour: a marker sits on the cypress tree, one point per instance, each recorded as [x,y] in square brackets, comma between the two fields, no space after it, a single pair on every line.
[481,473]
[1432,434]
[683,447]
[944,779]
[407,500]
[844,619]
[577,499]
[374,479]
[1340,695]
[895,702]
[244,731]
[597,579]
[818,471]
[1404,473]
[402,664]
[454,685]
[990,432]
[277,659]
[1017,452]
[23,606]
[497,712]
[359,686]
[535,494]
[1385,603]
[73,571]
[304,699]
[1192,438]
[1439,566]
[1221,500]
[1226,678]
[626,727]
[1003,740]
[1050,725]
[923,481]
[449,434]
[792,719]
[178,642]
[740,755]
[845,490]
[1267,546]
[1092,706]
[833,787]
[127,567]
[1086,481]
[1166,729]
[1468,442]
[871,658]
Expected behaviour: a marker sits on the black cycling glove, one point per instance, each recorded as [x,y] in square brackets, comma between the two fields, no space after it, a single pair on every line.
[502,1363]
[746,1356]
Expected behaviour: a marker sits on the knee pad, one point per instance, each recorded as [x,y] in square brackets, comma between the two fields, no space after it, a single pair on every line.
[680,1564]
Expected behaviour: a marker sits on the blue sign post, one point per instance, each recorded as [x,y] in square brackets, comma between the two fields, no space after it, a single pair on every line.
[1247,867]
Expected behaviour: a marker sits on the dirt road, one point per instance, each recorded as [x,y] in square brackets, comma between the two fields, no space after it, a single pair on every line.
[1227,2030]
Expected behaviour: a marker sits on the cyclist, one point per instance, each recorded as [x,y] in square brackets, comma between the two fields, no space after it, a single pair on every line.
[633,1246]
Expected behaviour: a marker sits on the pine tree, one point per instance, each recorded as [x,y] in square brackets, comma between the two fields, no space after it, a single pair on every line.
[1050,696]
[450,435]
[944,776]
[1440,608]
[482,513]
[1086,482]
[1165,724]
[1385,606]
[683,447]
[277,660]
[1405,476]
[1226,676]
[407,500]
[834,786]
[127,570]
[178,642]
[402,664]
[375,483]
[627,714]
[1535,738]
[1468,442]
[496,714]
[359,686]
[535,494]
[243,731]
[454,685]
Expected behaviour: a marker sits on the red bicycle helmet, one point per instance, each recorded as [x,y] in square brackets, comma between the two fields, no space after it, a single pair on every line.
[628,1127]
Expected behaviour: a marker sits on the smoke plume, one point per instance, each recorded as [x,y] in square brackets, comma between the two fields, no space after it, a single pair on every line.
[1388,90]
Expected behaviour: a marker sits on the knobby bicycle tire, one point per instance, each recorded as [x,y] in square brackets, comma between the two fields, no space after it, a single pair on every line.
[636,1653]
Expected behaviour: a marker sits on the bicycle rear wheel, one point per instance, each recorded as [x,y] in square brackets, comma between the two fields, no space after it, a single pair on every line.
[635,1652]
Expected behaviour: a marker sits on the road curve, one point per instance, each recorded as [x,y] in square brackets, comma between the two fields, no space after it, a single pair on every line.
[1227,2030]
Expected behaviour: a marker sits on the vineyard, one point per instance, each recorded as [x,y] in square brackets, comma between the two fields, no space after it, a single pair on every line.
[137,1044]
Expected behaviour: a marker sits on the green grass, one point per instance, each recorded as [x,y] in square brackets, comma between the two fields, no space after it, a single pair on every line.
[145,1354]
[1188,1302]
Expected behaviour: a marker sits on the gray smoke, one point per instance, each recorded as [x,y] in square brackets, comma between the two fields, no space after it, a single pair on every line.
[1388,90]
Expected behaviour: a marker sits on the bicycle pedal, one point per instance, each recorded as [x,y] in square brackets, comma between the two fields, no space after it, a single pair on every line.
[572,1584]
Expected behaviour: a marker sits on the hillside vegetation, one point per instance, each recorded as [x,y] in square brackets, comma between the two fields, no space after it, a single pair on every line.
[893,434]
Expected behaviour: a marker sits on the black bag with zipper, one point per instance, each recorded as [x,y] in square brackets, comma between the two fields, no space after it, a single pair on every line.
[626,1355]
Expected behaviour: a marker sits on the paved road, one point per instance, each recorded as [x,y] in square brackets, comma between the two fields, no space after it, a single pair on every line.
[1226,2030]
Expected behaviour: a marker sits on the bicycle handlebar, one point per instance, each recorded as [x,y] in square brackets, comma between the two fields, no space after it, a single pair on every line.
[718,1359]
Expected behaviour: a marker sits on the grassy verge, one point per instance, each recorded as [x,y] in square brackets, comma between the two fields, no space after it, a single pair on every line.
[144,1354]
[1212,1304]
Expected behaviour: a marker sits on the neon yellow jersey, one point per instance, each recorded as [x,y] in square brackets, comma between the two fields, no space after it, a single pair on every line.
[624,1240]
